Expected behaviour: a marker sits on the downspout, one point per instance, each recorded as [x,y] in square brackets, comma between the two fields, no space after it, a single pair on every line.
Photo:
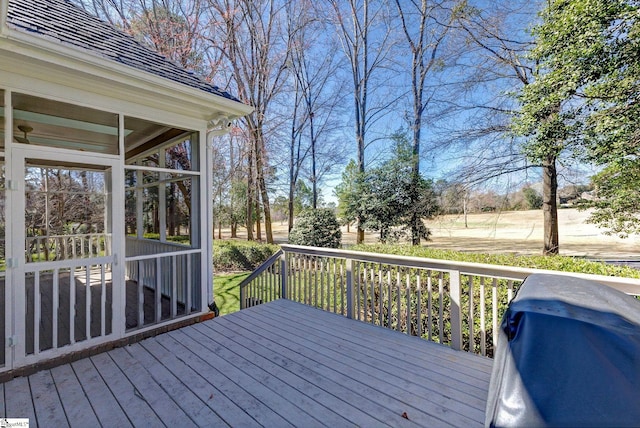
[217,127]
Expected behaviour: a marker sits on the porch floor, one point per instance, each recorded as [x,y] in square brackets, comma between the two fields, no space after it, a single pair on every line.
[278,364]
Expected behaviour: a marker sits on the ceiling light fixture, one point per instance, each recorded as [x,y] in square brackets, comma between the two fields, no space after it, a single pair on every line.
[26,129]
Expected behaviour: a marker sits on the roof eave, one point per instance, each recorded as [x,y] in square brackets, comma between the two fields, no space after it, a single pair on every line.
[139,81]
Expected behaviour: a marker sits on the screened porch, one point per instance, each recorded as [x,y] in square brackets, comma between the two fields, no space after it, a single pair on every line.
[99,226]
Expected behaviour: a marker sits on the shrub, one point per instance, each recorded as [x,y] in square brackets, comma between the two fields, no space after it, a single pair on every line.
[234,256]
[316,228]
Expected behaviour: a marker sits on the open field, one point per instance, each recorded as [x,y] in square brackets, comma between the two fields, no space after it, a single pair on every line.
[518,232]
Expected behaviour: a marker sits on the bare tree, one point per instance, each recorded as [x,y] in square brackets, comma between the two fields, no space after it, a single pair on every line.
[248,34]
[425,25]
[364,30]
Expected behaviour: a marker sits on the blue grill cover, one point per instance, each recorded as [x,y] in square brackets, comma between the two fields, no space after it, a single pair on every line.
[568,354]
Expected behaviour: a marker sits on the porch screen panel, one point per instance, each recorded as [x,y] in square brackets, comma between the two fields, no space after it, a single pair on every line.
[162,206]
[68,256]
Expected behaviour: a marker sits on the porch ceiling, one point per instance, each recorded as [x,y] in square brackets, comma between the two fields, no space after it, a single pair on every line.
[276,364]
[57,124]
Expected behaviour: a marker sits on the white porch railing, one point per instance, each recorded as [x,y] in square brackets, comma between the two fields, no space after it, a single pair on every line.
[170,270]
[455,303]
[67,247]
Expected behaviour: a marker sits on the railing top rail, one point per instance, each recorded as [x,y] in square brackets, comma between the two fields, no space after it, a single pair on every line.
[264,266]
[69,263]
[161,255]
[626,285]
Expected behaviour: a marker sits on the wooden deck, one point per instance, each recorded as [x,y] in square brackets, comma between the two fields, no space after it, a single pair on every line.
[278,364]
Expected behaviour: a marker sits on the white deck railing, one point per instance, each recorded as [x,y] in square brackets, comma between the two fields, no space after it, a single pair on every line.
[455,303]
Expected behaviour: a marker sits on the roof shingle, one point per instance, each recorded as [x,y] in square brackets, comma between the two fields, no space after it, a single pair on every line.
[63,22]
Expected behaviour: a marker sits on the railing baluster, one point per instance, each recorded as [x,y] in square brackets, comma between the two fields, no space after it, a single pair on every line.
[174,286]
[284,279]
[494,309]
[342,285]
[56,306]
[389,298]
[441,307]
[456,309]
[315,282]
[158,290]
[103,301]
[398,301]
[37,312]
[349,288]
[472,339]
[356,288]
[483,332]
[140,293]
[72,305]
[510,291]
[429,306]
[335,284]
[372,280]
[365,286]
[87,301]
[380,296]
[419,304]
[322,293]
[408,297]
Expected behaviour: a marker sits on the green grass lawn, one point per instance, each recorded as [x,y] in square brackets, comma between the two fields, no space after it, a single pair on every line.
[226,291]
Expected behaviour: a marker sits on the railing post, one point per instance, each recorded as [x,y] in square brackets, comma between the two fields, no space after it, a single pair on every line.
[350,288]
[456,309]
[283,276]
[243,297]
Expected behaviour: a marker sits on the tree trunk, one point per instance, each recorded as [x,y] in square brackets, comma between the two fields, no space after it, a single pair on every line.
[250,199]
[262,185]
[550,206]
[258,225]
[234,229]
[290,220]
[464,210]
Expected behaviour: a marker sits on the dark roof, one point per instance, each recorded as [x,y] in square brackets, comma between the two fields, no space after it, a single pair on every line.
[63,22]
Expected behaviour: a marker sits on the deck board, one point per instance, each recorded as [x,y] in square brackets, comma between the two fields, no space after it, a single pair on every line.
[17,400]
[129,399]
[382,354]
[77,408]
[189,403]
[276,379]
[103,403]
[278,364]
[48,407]
[372,385]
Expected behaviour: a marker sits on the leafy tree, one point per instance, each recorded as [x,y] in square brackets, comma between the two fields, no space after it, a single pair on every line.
[303,198]
[534,200]
[612,129]
[347,195]
[617,206]
[573,47]
[316,228]
[384,195]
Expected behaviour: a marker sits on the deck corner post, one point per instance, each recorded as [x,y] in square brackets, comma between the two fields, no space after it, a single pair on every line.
[456,310]
[350,288]
[283,276]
